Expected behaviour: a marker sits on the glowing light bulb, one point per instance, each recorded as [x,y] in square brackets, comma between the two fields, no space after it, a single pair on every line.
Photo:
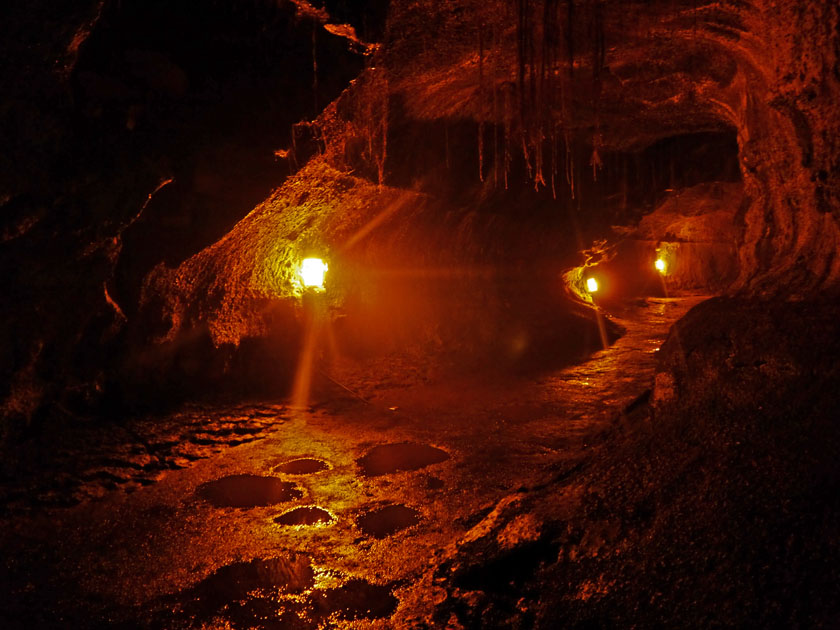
[660,265]
[312,272]
[591,285]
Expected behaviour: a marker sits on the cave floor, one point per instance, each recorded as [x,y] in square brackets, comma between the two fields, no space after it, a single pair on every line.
[340,515]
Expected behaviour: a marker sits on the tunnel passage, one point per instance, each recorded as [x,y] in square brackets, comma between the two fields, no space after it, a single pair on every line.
[434,263]
[689,244]
[685,238]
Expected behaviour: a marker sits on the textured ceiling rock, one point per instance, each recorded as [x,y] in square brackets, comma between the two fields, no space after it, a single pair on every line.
[625,74]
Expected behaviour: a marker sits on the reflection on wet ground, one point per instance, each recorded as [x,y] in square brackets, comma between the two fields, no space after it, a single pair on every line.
[401,480]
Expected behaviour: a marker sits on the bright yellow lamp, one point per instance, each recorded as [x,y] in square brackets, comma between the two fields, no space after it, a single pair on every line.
[661,265]
[312,272]
[591,285]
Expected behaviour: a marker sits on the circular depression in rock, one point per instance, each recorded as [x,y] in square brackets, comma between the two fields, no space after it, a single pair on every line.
[292,574]
[302,466]
[357,599]
[388,520]
[304,516]
[434,483]
[245,593]
[248,491]
[390,458]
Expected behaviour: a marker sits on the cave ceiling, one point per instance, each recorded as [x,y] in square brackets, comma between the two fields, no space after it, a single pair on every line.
[624,74]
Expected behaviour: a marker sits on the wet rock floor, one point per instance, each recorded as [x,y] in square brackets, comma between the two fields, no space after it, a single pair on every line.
[341,515]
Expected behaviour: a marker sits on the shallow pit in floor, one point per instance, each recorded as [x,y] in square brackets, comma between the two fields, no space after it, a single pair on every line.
[304,516]
[248,491]
[289,574]
[302,466]
[434,483]
[243,595]
[388,520]
[271,593]
[390,458]
[357,599]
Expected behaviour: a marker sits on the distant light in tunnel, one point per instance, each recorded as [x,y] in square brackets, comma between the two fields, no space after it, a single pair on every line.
[591,285]
[661,265]
[312,272]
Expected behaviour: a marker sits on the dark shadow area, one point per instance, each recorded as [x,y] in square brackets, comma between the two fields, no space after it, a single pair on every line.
[209,93]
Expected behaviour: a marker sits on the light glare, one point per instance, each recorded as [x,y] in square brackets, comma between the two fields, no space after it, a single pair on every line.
[312,272]
[660,265]
[591,285]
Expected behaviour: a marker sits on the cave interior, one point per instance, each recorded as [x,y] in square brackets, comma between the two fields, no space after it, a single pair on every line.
[568,357]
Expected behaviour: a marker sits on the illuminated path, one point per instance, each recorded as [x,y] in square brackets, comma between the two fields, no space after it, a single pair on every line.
[336,517]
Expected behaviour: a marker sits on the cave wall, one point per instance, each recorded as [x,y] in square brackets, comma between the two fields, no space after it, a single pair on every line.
[789,147]
[133,133]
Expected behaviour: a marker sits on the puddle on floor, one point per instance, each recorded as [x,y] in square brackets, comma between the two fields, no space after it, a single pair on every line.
[434,483]
[390,458]
[388,520]
[303,466]
[357,599]
[304,516]
[290,574]
[250,594]
[272,593]
[248,491]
